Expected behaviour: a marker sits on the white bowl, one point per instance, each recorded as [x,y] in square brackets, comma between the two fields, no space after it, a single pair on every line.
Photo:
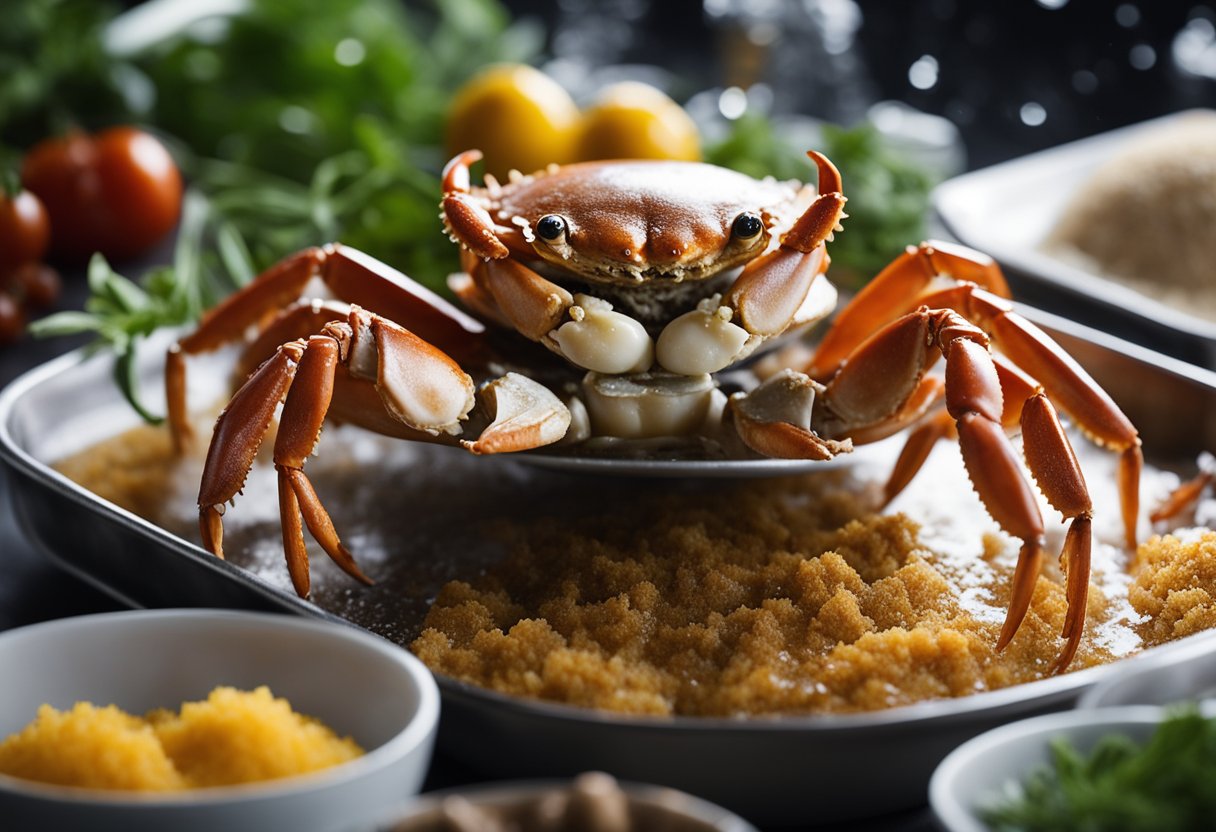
[978,772]
[357,684]
[651,807]
[1184,675]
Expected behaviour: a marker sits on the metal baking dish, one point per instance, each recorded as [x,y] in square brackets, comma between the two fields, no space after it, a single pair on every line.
[781,770]
[1009,209]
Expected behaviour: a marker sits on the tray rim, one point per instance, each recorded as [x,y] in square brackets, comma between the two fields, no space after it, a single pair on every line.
[1043,693]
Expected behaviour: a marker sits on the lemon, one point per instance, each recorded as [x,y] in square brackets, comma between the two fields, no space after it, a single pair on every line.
[632,120]
[517,116]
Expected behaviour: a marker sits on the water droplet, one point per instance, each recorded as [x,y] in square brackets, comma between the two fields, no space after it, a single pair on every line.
[1084,81]
[732,103]
[1142,56]
[923,72]
[1127,15]
[1052,4]
[1032,114]
[350,52]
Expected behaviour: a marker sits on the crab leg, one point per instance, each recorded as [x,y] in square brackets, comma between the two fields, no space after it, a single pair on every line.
[1016,388]
[903,350]
[468,223]
[419,393]
[774,419]
[1068,385]
[299,429]
[299,320]
[1054,466]
[1187,495]
[896,291]
[353,277]
[882,389]
[534,306]
[915,451]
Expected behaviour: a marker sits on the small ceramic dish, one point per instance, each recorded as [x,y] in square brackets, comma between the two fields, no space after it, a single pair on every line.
[359,685]
[592,802]
[981,771]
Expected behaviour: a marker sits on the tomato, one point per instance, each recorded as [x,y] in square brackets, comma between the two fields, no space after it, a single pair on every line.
[118,192]
[24,230]
[37,284]
[12,319]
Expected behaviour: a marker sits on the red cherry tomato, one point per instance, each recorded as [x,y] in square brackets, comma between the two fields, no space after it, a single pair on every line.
[24,230]
[118,192]
[12,319]
[37,284]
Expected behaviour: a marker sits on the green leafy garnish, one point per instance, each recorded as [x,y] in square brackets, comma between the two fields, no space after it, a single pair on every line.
[312,122]
[753,146]
[55,72]
[122,312]
[303,122]
[1165,785]
[888,200]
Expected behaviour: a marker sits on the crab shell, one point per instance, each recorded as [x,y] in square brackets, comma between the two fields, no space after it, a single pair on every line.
[650,236]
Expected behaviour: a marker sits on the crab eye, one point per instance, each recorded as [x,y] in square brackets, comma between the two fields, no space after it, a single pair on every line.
[550,227]
[746,226]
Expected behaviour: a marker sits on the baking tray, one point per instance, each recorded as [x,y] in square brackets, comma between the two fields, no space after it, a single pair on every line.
[1008,210]
[773,771]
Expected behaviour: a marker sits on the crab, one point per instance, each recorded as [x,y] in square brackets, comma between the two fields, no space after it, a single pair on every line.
[636,282]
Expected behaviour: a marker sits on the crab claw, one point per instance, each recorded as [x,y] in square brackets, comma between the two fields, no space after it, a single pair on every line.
[774,419]
[467,222]
[525,415]
[823,218]
[772,290]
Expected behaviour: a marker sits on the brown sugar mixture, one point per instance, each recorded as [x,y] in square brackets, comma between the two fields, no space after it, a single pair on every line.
[682,596]
[773,599]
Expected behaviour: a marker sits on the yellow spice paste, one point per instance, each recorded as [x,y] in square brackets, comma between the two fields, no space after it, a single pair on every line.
[232,737]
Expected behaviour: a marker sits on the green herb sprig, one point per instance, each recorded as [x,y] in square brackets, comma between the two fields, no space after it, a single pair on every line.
[210,260]
[1165,785]
[311,122]
[55,72]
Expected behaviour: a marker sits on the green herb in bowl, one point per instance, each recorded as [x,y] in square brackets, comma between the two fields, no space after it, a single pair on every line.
[1167,784]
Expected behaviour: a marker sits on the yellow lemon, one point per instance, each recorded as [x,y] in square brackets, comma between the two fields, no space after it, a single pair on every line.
[517,116]
[632,120]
